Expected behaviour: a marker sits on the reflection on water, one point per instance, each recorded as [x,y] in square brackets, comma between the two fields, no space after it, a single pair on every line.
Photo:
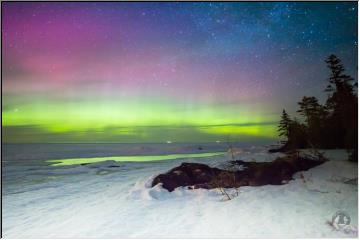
[73,161]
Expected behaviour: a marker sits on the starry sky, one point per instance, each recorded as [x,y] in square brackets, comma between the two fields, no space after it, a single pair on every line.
[157,72]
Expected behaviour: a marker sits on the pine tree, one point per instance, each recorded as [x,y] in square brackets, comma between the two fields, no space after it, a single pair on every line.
[340,85]
[337,75]
[298,137]
[309,108]
[284,125]
[334,125]
[342,105]
[315,118]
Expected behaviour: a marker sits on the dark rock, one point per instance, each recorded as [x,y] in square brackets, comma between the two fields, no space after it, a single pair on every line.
[199,175]
[282,149]
[290,146]
[237,162]
[353,181]
[353,157]
[187,174]
[275,150]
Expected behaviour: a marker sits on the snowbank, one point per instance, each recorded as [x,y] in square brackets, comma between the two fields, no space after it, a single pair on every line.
[76,202]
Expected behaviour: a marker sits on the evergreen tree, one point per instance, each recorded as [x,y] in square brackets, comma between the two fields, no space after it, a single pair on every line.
[309,108]
[334,125]
[338,80]
[297,135]
[342,105]
[284,125]
[315,119]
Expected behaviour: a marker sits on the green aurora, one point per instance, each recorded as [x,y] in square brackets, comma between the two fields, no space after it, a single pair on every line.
[132,120]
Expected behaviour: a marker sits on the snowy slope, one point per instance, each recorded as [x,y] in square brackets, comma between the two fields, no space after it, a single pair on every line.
[96,201]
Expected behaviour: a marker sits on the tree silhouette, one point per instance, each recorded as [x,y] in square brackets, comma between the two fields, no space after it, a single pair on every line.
[338,80]
[309,108]
[284,125]
[342,105]
[333,125]
[315,118]
[297,135]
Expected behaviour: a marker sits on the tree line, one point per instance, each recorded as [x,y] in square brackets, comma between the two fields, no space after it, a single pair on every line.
[332,125]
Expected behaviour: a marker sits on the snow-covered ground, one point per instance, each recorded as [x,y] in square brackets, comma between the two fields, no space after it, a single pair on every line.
[115,199]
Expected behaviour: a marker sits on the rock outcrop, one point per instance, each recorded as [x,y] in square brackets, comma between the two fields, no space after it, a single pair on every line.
[196,175]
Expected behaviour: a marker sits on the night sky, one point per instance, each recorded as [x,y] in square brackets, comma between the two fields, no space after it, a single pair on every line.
[157,72]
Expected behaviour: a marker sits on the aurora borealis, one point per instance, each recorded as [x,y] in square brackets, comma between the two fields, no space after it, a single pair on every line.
[157,72]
